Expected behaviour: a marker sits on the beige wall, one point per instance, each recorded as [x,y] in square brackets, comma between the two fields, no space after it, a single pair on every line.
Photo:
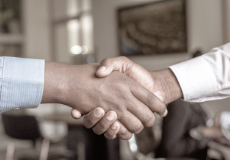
[204,30]
[36,24]
[227,20]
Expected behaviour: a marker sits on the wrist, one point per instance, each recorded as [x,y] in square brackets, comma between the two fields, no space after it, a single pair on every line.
[169,84]
[55,83]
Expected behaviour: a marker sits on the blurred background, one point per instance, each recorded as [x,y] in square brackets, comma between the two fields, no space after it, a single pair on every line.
[154,34]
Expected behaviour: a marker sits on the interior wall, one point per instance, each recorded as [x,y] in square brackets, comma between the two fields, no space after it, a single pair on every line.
[36,15]
[227,20]
[204,30]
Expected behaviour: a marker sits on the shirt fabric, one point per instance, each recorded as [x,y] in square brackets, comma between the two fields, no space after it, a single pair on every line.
[225,124]
[21,82]
[206,77]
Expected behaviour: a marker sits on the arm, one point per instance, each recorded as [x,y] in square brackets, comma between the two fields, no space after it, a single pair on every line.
[78,87]
[208,76]
[200,79]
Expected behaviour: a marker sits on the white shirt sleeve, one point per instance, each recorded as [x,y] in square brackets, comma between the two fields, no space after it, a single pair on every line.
[225,124]
[206,77]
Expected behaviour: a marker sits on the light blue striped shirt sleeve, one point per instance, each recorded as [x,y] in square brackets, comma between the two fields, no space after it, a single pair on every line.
[21,82]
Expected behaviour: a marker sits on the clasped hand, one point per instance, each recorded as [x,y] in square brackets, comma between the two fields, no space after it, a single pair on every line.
[135,95]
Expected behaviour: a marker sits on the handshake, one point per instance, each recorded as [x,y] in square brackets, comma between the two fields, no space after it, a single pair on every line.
[120,99]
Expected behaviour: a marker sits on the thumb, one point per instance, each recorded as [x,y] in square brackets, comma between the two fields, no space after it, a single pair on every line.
[113,64]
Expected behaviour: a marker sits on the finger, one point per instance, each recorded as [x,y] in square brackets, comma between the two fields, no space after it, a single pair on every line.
[120,64]
[105,122]
[132,123]
[149,99]
[93,117]
[123,132]
[76,114]
[142,112]
[113,130]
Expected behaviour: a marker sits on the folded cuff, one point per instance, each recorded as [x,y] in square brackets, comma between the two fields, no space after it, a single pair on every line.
[22,82]
[192,76]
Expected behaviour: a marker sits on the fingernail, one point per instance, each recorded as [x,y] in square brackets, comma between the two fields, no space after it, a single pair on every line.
[98,113]
[111,116]
[165,113]
[114,126]
[76,114]
[102,69]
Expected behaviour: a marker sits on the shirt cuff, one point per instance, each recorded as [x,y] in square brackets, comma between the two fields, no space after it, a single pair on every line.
[21,82]
[192,76]
[225,124]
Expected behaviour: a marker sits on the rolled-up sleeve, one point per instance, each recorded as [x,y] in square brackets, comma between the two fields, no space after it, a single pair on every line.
[206,77]
[21,82]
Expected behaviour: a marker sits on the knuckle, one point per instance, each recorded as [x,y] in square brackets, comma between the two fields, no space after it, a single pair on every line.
[162,108]
[155,104]
[96,131]
[126,136]
[150,120]
[122,132]
[86,123]
[110,134]
[105,61]
[136,128]
[151,99]
[120,113]
[129,136]
[89,120]
[139,130]
[124,58]
[103,126]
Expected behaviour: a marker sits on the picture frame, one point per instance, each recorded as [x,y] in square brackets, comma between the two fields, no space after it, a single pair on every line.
[153,28]
[10,17]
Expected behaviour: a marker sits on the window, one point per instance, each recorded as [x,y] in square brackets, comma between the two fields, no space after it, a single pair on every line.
[72,31]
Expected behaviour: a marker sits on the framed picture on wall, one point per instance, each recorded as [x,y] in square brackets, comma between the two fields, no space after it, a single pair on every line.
[153,29]
[10,16]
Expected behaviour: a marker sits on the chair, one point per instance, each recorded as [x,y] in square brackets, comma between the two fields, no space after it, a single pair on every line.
[26,127]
